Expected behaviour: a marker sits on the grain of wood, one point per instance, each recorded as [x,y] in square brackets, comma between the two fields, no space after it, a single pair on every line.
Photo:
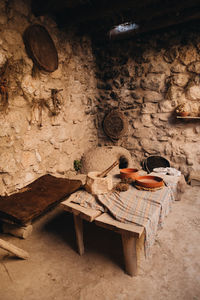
[22,232]
[13,249]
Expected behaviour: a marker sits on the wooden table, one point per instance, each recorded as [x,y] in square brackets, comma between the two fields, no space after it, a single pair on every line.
[130,233]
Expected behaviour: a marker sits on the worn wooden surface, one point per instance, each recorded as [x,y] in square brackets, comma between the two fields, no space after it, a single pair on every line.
[36,198]
[87,214]
[18,231]
[78,223]
[130,253]
[106,221]
[13,249]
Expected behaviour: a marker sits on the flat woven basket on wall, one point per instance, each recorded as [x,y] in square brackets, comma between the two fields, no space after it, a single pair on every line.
[115,124]
[41,48]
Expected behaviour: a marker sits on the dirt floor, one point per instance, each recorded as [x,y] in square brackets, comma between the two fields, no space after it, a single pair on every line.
[56,272]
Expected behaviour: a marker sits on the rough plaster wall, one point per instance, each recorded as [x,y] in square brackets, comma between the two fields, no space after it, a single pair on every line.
[147,78]
[26,150]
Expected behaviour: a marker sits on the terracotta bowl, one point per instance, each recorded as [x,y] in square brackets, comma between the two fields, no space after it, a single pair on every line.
[149,181]
[184,114]
[129,173]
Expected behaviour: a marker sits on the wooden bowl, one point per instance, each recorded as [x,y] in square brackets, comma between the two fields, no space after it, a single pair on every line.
[129,173]
[149,181]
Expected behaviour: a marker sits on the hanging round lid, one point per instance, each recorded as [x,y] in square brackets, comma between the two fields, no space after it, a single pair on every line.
[115,124]
[41,48]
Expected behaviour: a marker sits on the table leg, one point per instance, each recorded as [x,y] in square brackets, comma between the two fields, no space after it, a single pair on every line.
[78,223]
[130,254]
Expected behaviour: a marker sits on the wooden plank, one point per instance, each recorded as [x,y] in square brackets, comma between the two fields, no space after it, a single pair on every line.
[78,223]
[22,232]
[130,253]
[87,214]
[189,117]
[13,249]
[106,221]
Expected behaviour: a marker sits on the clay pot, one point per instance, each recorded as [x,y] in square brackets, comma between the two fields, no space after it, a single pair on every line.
[149,181]
[184,114]
[129,173]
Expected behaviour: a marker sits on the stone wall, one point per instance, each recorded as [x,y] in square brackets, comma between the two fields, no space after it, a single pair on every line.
[28,150]
[147,78]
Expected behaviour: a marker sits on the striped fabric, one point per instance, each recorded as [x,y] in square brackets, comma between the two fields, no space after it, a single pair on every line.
[143,208]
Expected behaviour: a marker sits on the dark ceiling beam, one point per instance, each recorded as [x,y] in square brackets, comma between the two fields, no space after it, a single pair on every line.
[161,22]
[102,8]
[140,17]
[162,9]
[122,11]
[54,6]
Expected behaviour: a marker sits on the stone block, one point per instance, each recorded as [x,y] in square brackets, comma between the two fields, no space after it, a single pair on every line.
[2,59]
[180,79]
[7,163]
[153,82]
[187,54]
[194,67]
[158,68]
[149,108]
[171,54]
[193,92]
[152,147]
[178,68]
[28,159]
[151,96]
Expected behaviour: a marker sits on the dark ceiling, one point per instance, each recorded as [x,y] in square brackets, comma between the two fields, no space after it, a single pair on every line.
[99,16]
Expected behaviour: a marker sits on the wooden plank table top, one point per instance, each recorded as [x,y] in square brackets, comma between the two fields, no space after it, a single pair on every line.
[87,214]
[107,221]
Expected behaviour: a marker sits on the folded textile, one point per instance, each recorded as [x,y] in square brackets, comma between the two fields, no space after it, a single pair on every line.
[86,200]
[167,171]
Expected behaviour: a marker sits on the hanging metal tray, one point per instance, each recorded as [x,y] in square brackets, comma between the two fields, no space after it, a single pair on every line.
[41,48]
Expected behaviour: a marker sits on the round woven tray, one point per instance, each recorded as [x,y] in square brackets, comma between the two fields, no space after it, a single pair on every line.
[115,124]
[41,48]
[148,189]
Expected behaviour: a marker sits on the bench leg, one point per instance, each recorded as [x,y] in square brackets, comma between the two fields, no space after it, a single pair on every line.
[78,223]
[130,254]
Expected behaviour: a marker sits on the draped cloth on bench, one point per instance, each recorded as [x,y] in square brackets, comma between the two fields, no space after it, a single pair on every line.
[144,208]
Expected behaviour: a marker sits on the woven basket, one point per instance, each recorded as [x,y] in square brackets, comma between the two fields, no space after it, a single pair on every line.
[41,48]
[115,125]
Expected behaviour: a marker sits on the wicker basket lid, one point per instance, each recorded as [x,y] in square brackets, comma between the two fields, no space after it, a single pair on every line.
[41,48]
[155,161]
[115,124]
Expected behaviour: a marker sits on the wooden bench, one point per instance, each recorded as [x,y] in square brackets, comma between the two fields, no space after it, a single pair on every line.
[130,233]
